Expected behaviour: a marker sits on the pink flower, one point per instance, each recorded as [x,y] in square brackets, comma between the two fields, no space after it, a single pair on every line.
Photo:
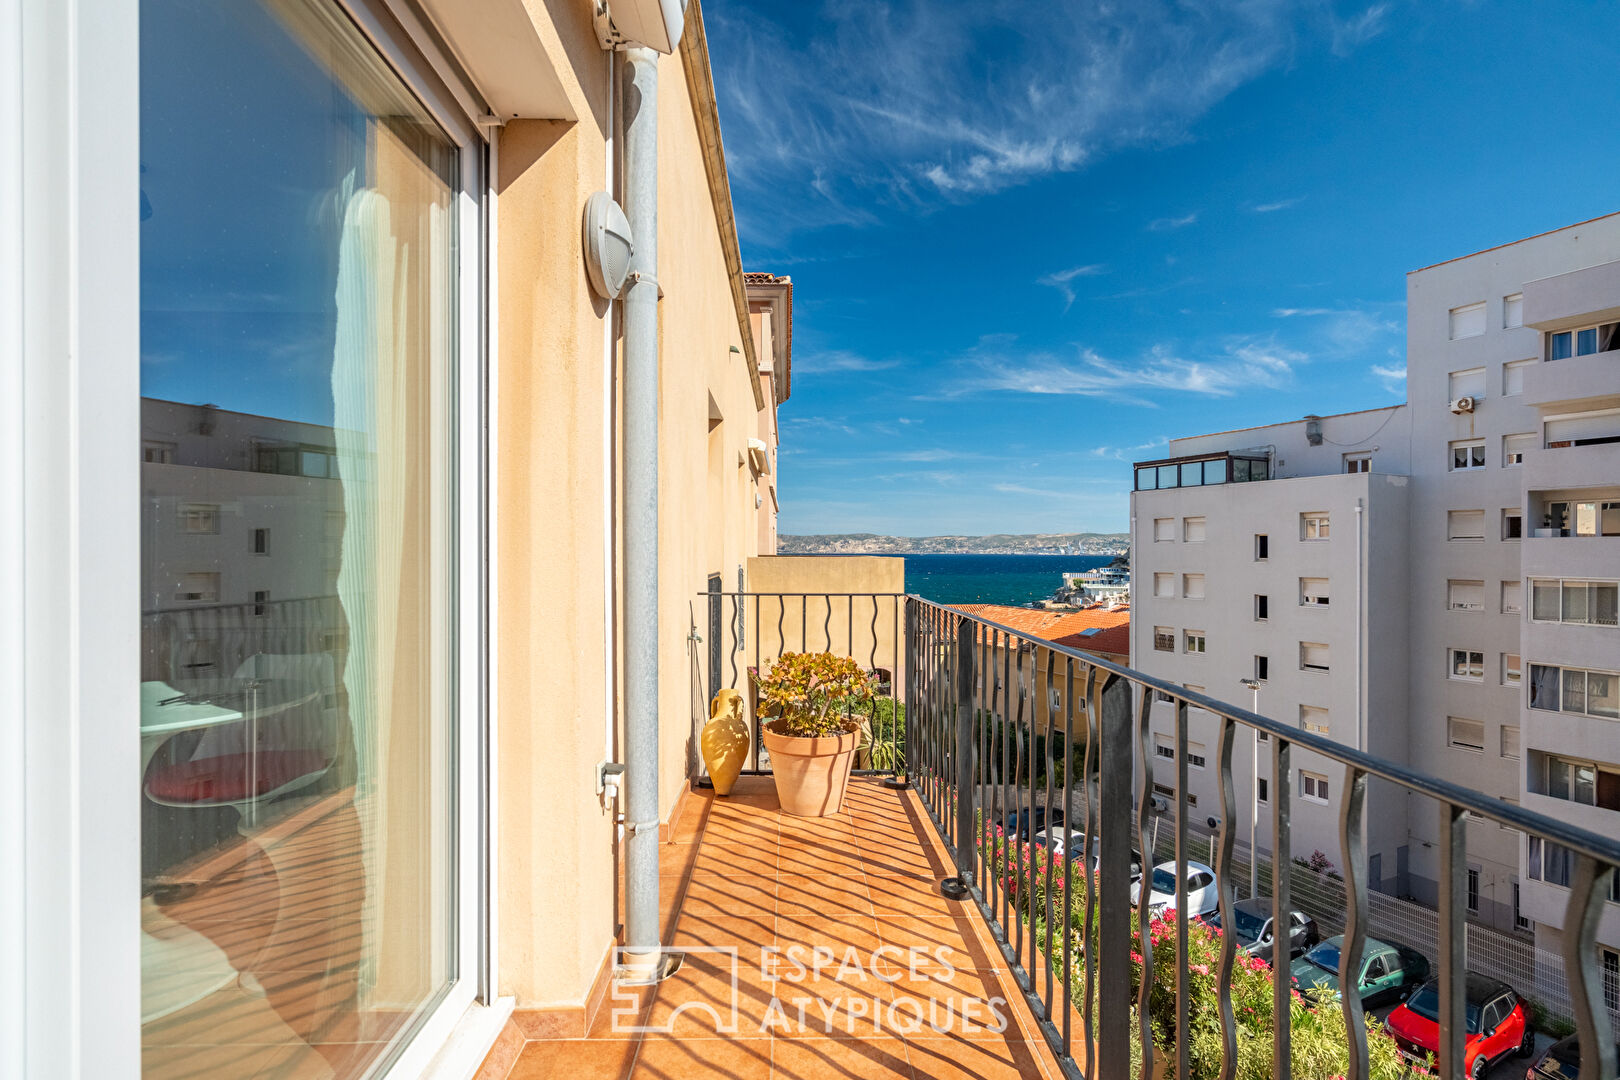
[1202,969]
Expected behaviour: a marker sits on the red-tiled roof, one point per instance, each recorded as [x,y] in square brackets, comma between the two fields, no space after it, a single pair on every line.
[1113,628]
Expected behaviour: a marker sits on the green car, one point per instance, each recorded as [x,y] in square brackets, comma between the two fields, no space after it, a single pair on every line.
[1388,972]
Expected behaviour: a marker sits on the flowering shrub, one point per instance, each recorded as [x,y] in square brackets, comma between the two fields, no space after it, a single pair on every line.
[812,694]
[1033,878]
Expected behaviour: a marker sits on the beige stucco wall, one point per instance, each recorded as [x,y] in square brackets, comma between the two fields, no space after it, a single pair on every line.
[558,902]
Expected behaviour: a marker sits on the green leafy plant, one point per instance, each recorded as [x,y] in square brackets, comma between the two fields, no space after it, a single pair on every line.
[810,695]
[883,736]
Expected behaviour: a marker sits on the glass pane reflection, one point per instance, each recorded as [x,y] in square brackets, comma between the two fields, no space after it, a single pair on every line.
[297,288]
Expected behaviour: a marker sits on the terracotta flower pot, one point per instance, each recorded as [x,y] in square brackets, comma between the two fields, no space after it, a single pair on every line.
[811,773]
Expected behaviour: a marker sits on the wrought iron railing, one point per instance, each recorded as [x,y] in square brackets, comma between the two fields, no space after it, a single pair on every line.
[997,722]
[748,631]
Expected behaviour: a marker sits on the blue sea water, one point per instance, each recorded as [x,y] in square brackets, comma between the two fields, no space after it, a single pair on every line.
[993,579]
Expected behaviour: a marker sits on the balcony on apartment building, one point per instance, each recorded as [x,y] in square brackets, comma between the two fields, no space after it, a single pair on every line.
[1201,470]
[987,854]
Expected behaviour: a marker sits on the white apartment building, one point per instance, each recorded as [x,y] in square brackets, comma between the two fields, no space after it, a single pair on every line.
[1435,582]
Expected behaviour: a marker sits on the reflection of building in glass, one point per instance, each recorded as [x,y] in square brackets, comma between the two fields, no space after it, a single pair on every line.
[243,529]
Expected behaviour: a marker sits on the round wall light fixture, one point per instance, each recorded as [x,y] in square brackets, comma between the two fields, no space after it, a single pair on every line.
[608,245]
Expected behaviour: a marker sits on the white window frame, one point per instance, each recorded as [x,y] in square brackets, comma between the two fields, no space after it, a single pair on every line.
[1466,382]
[1563,583]
[1357,461]
[1512,673]
[1313,787]
[1514,606]
[1512,513]
[1194,529]
[1513,376]
[1262,599]
[1573,334]
[72,408]
[1187,583]
[1503,740]
[1314,592]
[1458,591]
[1314,718]
[1514,447]
[1315,525]
[1467,312]
[1320,669]
[1469,664]
[1164,639]
[1168,582]
[1513,311]
[1164,530]
[1262,539]
[1192,638]
[1453,536]
[1474,455]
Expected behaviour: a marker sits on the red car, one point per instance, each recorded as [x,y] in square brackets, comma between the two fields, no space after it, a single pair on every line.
[1497,1025]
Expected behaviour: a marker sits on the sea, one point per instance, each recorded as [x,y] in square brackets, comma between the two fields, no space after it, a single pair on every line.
[993,579]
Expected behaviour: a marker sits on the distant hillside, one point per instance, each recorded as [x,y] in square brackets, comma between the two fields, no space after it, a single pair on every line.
[998,544]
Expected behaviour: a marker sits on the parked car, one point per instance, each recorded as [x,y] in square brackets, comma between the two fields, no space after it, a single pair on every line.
[1072,844]
[1388,972]
[1021,823]
[1497,1024]
[1562,1061]
[1202,895]
[1252,924]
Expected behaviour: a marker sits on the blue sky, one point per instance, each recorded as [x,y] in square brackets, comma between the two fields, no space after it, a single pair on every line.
[1031,242]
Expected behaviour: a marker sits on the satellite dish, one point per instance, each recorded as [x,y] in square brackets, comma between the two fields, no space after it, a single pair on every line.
[608,245]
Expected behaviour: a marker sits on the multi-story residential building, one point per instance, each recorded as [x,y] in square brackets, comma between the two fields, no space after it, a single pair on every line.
[1433,581]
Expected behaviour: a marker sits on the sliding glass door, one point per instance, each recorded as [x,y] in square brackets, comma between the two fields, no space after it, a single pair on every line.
[302,288]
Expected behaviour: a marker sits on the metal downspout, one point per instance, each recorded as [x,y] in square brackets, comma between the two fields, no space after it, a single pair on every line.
[639,105]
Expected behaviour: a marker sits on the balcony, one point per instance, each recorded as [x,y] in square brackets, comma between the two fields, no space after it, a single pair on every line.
[958,939]
[1575,383]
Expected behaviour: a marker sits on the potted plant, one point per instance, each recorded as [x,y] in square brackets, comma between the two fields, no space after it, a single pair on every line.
[812,700]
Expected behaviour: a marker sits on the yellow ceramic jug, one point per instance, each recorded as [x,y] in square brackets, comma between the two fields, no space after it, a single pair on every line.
[725,740]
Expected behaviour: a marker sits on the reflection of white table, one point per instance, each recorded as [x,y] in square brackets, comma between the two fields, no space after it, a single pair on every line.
[179,966]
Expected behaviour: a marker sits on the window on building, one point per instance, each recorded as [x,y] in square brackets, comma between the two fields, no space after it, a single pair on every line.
[1575,690]
[1314,718]
[1465,734]
[1611,976]
[1465,595]
[198,588]
[1468,321]
[1583,341]
[1512,598]
[1511,669]
[261,601]
[1313,787]
[1313,592]
[1192,530]
[1509,743]
[1164,639]
[1195,756]
[1584,603]
[199,517]
[1262,668]
[1465,525]
[1359,461]
[1193,641]
[1512,524]
[1467,455]
[1466,384]
[1548,862]
[1467,664]
[1512,311]
[1519,921]
[1164,585]
[261,541]
[1472,893]
[1513,448]
[1313,656]
[1262,607]
[1313,525]
[1262,789]
[1593,428]
[1164,530]
[154,452]
[1192,586]
[1513,376]
[1582,782]
[1262,547]
[1164,746]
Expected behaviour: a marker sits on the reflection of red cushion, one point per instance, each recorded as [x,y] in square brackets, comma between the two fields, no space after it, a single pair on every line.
[225,779]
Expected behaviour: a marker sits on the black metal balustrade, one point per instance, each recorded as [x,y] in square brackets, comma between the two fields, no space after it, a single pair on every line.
[968,679]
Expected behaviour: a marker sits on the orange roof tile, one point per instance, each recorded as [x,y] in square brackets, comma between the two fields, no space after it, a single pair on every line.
[1113,628]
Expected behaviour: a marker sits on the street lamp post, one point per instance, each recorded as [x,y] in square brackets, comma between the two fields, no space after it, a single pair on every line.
[1254,794]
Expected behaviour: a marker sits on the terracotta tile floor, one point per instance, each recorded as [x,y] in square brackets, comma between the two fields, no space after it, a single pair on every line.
[780,892]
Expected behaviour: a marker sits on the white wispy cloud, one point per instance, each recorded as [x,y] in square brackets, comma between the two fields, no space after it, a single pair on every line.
[1170,224]
[1348,34]
[905,103]
[1346,331]
[1128,453]
[841,360]
[1237,364]
[1273,207]
[1393,378]
[1063,280]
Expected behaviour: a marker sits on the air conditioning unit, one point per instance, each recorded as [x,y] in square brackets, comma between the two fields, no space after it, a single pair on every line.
[1463,405]
[654,24]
